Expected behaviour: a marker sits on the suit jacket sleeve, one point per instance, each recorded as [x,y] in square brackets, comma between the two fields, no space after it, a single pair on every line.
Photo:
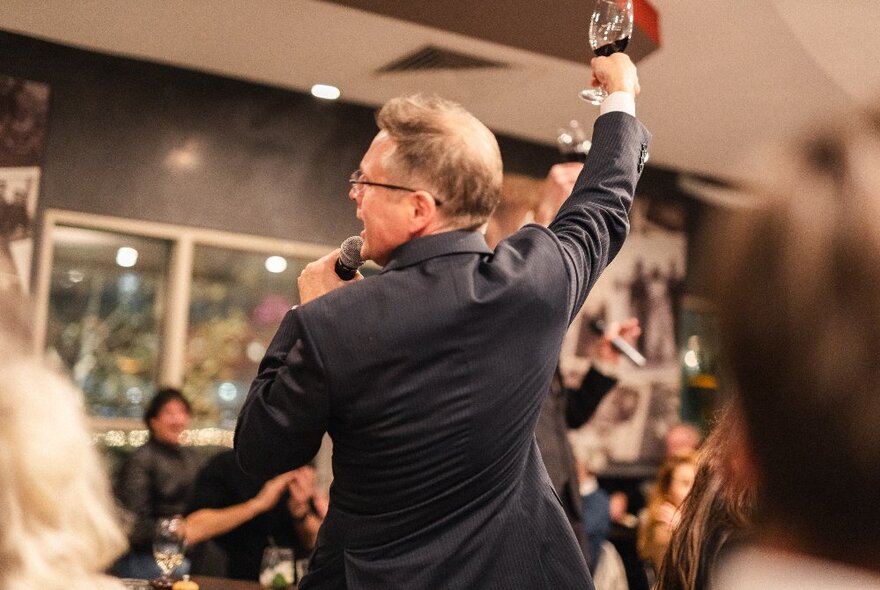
[593,223]
[583,401]
[287,410]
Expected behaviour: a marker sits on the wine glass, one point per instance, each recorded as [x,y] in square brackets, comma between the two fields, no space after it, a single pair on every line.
[169,545]
[611,26]
[573,143]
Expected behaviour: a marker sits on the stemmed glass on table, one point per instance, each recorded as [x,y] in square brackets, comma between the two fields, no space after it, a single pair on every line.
[169,545]
[611,27]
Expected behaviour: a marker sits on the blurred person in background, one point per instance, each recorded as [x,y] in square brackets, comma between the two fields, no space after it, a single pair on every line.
[58,529]
[156,481]
[563,408]
[719,509]
[797,290]
[595,504]
[244,514]
[658,520]
[682,438]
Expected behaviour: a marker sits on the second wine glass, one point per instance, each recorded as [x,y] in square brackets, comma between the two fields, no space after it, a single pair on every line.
[169,545]
[611,27]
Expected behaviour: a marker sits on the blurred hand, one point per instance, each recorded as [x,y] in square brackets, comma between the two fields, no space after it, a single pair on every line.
[301,487]
[319,277]
[271,492]
[629,330]
[322,504]
[556,189]
[617,506]
[615,73]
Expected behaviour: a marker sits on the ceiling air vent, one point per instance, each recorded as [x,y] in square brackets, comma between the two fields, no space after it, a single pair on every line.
[437,58]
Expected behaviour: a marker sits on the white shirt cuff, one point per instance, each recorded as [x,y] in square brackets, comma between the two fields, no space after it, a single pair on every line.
[619,101]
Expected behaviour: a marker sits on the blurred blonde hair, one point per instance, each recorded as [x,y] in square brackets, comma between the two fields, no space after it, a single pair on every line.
[57,523]
[647,544]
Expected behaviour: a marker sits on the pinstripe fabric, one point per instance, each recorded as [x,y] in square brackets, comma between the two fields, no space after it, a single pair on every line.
[562,409]
[429,378]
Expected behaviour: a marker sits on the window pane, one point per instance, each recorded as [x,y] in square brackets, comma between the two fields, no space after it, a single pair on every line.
[105,305]
[236,306]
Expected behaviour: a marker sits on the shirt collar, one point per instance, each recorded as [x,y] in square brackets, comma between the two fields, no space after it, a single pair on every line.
[441,244]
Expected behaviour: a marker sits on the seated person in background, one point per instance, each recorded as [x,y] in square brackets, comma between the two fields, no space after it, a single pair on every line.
[57,525]
[720,507]
[244,515]
[661,516]
[156,481]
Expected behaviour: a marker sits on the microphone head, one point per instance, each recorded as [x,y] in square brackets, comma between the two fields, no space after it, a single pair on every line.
[597,326]
[350,254]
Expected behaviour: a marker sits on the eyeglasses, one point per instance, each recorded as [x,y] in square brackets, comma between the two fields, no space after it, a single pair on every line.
[358,183]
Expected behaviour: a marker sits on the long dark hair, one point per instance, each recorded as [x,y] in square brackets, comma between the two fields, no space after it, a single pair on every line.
[718,508]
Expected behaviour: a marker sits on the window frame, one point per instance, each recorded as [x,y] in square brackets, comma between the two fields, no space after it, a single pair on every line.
[183,240]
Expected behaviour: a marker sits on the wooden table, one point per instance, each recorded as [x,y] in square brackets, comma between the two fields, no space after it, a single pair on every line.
[210,583]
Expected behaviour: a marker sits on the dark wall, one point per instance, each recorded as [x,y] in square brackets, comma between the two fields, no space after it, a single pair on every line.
[271,162]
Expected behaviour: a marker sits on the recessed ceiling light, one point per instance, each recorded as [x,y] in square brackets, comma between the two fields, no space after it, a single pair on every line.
[276,264]
[126,257]
[325,91]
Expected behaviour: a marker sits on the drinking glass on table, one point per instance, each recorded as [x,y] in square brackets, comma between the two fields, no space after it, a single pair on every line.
[276,570]
[611,26]
[169,545]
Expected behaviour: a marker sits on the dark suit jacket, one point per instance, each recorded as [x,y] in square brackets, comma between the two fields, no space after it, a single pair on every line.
[429,378]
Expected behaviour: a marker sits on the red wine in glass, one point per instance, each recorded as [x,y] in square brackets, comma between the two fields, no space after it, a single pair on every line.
[618,46]
[611,27]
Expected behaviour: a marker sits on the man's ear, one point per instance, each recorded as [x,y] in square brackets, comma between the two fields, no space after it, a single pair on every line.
[424,210]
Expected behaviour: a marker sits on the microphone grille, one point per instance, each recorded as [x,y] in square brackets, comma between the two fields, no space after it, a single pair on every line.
[350,254]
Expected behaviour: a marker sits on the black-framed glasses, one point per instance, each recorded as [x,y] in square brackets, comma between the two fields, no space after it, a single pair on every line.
[357,182]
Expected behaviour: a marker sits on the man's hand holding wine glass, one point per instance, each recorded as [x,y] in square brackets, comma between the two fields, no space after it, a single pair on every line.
[611,25]
[615,73]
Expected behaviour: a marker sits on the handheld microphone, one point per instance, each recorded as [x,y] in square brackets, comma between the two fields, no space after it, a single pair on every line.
[620,345]
[349,260]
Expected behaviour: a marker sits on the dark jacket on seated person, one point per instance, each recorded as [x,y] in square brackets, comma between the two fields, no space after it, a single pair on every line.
[221,484]
[155,482]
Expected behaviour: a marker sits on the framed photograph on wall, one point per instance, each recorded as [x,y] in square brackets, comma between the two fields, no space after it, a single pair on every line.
[24,107]
[645,280]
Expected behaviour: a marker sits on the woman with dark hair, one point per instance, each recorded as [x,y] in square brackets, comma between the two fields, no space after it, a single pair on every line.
[719,508]
[156,481]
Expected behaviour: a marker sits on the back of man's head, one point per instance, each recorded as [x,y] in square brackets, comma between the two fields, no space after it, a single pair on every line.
[798,291]
[443,148]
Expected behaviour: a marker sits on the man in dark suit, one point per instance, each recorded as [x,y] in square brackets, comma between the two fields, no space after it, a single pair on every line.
[566,408]
[429,377]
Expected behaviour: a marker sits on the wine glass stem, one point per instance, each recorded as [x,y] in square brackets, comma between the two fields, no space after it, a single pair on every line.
[594,95]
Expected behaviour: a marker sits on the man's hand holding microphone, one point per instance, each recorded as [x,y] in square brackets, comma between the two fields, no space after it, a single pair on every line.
[332,271]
